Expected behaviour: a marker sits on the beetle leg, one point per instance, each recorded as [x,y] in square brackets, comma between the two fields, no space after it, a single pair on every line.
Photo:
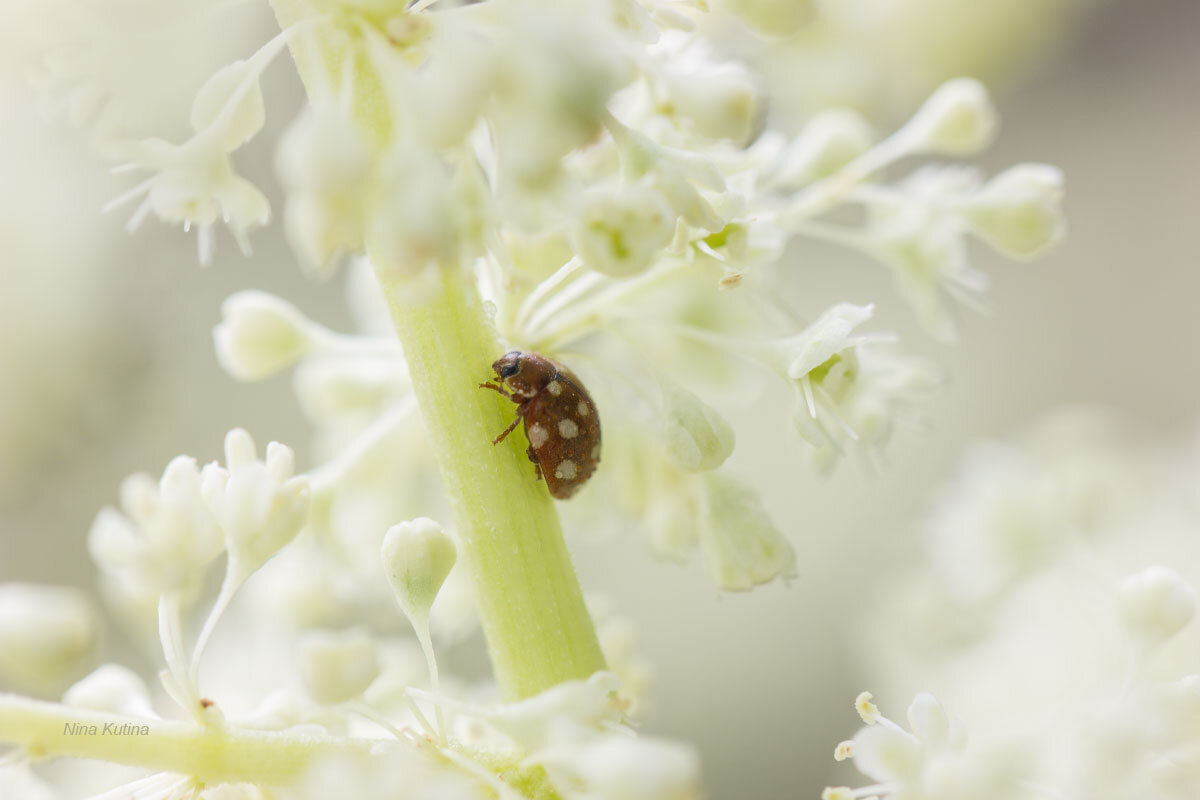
[509,429]
[503,392]
[537,467]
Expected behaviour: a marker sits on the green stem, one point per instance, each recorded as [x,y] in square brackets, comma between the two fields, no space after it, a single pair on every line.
[538,629]
[208,754]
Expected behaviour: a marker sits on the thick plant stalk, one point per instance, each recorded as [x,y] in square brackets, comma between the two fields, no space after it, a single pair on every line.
[538,629]
[209,754]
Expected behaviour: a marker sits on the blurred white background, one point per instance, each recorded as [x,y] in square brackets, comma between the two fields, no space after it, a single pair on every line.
[106,367]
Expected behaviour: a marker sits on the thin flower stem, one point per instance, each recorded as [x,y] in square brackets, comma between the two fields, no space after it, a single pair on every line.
[234,578]
[576,320]
[208,754]
[543,290]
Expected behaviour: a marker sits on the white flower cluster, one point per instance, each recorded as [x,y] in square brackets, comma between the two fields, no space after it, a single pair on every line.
[930,761]
[605,178]
[158,551]
[622,209]
[1057,607]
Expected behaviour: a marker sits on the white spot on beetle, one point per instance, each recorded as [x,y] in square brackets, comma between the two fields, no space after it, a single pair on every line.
[567,428]
[595,453]
[566,470]
[538,435]
[583,409]
[554,388]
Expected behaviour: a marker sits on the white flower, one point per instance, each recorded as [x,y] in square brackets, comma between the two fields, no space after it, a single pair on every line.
[555,71]
[716,100]
[260,334]
[569,713]
[164,537]
[48,634]
[679,174]
[325,166]
[930,761]
[194,183]
[1019,211]
[337,666]
[619,231]
[616,767]
[1156,603]
[258,504]
[847,388]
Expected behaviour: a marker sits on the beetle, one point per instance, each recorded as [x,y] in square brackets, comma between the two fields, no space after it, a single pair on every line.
[561,421]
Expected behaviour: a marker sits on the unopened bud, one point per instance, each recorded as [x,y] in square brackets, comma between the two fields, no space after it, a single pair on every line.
[957,120]
[259,335]
[417,556]
[1019,211]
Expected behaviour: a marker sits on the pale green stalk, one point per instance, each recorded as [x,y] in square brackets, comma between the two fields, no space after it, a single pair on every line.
[538,629]
[209,754]
[537,626]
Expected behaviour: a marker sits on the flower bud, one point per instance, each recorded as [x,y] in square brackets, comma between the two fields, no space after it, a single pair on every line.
[417,556]
[47,636]
[1155,604]
[829,142]
[259,335]
[1019,211]
[721,101]
[258,504]
[337,666]
[112,688]
[618,231]
[957,120]
[165,539]
[697,437]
